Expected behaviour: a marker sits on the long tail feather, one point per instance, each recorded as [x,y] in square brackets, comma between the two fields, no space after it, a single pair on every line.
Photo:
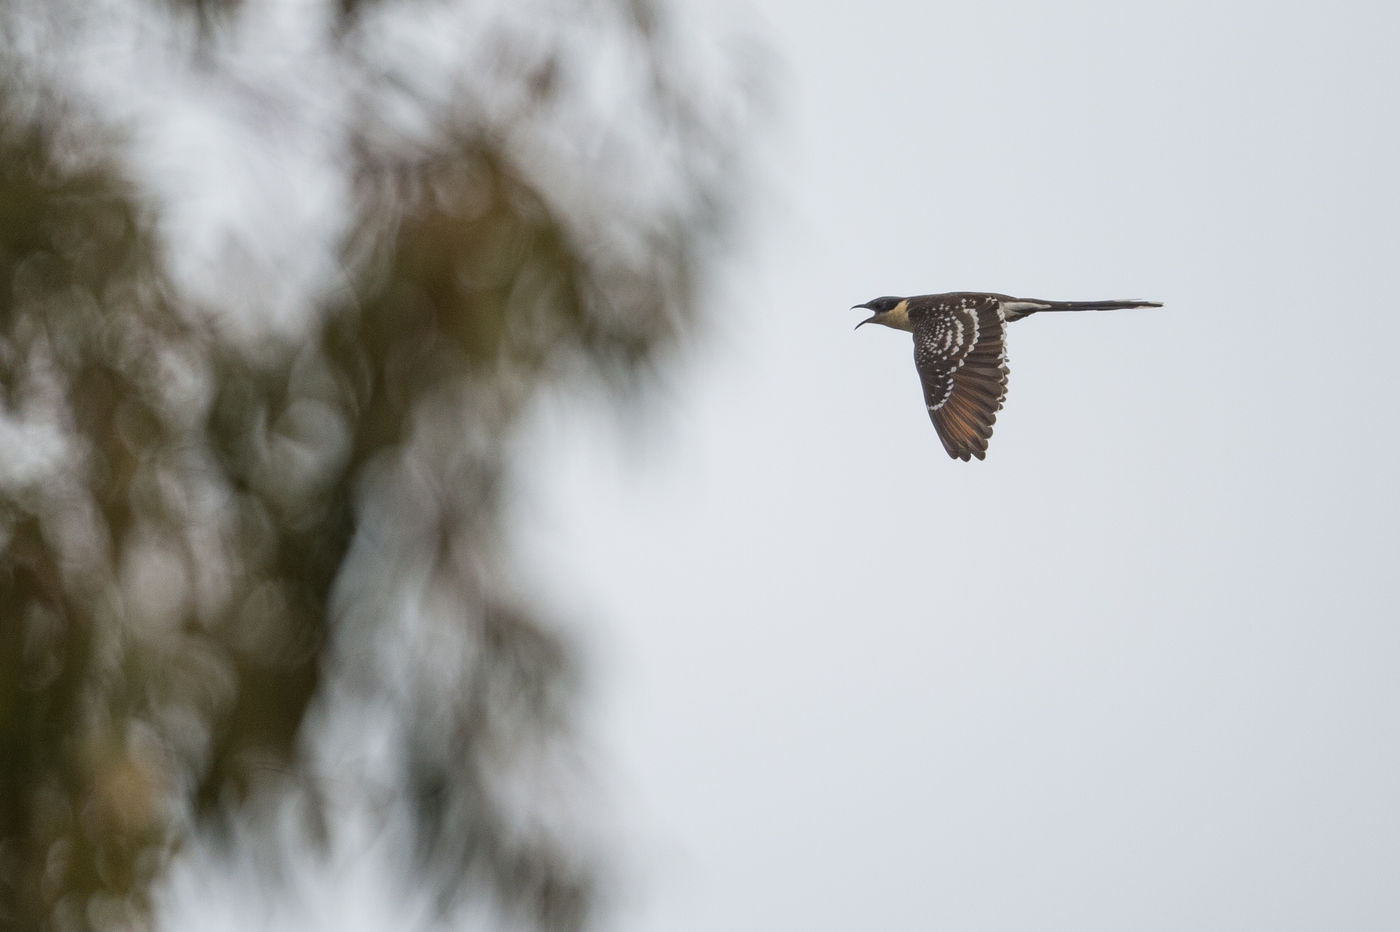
[1098,305]
[1016,308]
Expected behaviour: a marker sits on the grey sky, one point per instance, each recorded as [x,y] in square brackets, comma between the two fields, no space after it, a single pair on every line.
[1137,669]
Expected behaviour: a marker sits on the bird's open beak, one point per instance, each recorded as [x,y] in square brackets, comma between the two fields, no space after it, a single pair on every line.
[868,319]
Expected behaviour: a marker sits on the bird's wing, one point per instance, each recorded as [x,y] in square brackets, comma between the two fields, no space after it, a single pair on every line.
[960,352]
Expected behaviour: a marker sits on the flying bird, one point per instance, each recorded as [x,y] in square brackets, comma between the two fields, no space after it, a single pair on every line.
[960,352]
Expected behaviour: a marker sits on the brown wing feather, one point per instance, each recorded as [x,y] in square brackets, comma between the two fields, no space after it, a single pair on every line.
[960,352]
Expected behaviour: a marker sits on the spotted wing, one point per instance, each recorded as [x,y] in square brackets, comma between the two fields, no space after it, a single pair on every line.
[960,352]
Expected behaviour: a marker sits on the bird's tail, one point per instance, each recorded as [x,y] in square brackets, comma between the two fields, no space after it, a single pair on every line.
[1024,307]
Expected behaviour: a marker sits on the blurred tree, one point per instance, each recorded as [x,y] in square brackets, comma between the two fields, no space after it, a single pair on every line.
[251,503]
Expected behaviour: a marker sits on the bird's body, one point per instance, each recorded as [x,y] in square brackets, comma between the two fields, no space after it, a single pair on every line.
[960,353]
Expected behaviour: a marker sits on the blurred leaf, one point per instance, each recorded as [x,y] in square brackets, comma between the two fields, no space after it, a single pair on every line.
[238,529]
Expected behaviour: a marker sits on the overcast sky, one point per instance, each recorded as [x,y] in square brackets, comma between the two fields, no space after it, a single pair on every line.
[1137,670]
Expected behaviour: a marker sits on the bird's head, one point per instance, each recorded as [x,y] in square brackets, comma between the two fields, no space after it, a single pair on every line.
[890,311]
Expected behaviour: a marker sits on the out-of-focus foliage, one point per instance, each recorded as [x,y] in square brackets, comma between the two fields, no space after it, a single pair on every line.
[239,533]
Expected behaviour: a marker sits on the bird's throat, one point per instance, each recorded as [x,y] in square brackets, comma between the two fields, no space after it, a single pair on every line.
[896,317]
